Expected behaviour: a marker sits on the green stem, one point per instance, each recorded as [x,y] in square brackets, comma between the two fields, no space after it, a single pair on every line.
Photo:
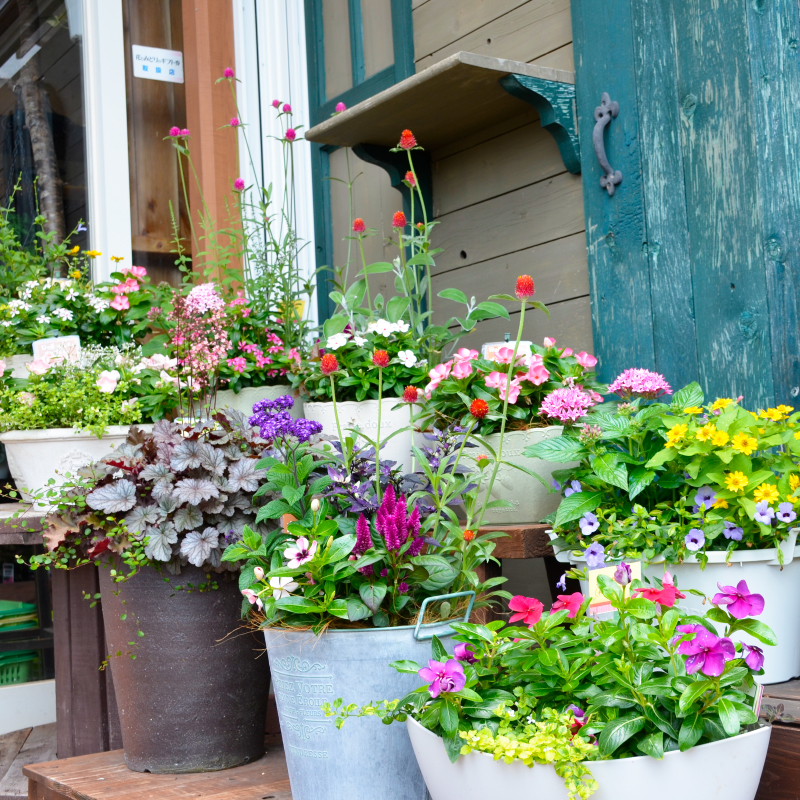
[378,437]
[338,426]
[366,277]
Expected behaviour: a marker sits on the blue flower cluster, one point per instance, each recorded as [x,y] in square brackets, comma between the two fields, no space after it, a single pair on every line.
[274,421]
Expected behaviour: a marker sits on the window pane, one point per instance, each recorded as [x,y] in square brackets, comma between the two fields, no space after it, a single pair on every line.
[376,17]
[41,115]
[338,62]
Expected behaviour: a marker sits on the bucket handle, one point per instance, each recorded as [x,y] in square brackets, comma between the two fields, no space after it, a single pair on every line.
[418,635]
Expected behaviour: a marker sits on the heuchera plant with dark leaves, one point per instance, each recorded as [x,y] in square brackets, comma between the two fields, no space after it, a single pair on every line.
[169,498]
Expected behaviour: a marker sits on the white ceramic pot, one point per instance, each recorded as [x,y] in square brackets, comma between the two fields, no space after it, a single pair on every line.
[364,415]
[34,457]
[532,500]
[729,769]
[780,589]
[246,398]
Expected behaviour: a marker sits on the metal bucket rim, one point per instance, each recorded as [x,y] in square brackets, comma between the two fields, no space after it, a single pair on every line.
[428,626]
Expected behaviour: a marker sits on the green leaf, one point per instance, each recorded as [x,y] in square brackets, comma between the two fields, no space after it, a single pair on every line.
[615,698]
[354,296]
[641,608]
[453,745]
[448,717]
[356,610]
[560,449]
[609,470]
[298,604]
[341,548]
[441,573]
[757,629]
[639,479]
[378,266]
[662,456]
[691,395]
[456,295]
[405,666]
[728,717]
[652,745]
[372,594]
[690,733]
[437,649]
[335,324]
[396,307]
[493,310]
[692,692]
[618,732]
[576,505]
[338,608]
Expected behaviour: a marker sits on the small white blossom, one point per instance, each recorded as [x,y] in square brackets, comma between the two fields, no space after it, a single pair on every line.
[43,319]
[64,314]
[359,340]
[282,587]
[402,326]
[336,341]
[407,357]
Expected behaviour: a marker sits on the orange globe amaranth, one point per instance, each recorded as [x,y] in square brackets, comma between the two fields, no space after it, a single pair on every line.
[329,364]
[525,288]
[410,394]
[380,358]
[479,408]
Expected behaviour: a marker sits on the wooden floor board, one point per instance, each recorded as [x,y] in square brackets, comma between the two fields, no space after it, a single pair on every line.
[38,745]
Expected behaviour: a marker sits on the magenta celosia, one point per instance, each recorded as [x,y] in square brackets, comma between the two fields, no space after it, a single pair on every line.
[567,405]
[396,525]
[640,383]
[363,538]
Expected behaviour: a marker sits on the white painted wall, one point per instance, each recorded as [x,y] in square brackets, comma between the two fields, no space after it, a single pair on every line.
[26,705]
[270,42]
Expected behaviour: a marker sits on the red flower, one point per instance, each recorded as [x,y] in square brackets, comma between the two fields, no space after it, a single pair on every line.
[410,179]
[380,358]
[469,535]
[399,220]
[479,408]
[358,225]
[572,602]
[407,140]
[328,364]
[410,394]
[529,608]
[666,595]
[524,287]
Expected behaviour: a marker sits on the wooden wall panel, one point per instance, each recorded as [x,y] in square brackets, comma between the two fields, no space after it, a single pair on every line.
[338,61]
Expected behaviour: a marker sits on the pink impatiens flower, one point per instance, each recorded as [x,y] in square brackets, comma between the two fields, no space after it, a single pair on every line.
[572,602]
[740,601]
[447,677]
[586,360]
[528,609]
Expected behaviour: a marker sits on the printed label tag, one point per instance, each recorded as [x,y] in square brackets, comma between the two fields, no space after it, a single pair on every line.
[600,604]
[157,64]
[57,349]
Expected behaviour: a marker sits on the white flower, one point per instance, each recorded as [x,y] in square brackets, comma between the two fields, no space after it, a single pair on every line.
[359,340]
[282,587]
[6,323]
[336,341]
[64,314]
[402,326]
[108,380]
[126,404]
[72,294]
[407,357]
[300,553]
[167,378]
[383,327]
[20,305]
[43,319]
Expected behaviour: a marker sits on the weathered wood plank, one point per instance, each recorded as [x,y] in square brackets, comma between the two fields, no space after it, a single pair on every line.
[550,209]
[525,33]
[775,68]
[780,779]
[40,745]
[724,215]
[520,541]
[667,245]
[524,156]
[615,232]
[562,58]
[558,268]
[528,115]
[10,745]
[790,690]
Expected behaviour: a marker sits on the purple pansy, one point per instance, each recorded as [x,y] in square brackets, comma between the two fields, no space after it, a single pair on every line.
[732,531]
[595,555]
[695,539]
[786,512]
[463,653]
[447,677]
[753,656]
[764,514]
[588,523]
[705,497]
[574,486]
[740,601]
[705,651]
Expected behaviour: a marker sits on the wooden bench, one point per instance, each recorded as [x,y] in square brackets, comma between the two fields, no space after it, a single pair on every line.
[781,777]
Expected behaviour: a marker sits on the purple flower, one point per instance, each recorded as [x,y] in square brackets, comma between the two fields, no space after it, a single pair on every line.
[705,496]
[580,716]
[395,524]
[740,602]
[695,539]
[588,523]
[384,572]
[447,677]
[555,484]
[764,513]
[786,513]
[562,582]
[705,651]
[622,574]
[753,656]
[403,587]
[275,422]
[574,486]
[463,653]
[595,555]
[363,538]
[731,531]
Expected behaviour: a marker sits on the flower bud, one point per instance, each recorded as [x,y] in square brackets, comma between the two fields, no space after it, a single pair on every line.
[259,573]
[622,574]
[315,505]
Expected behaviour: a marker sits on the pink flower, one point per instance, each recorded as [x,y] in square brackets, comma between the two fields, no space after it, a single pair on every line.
[253,597]
[640,382]
[204,297]
[504,355]
[235,122]
[566,352]
[302,552]
[238,185]
[586,360]
[529,610]
[548,342]
[294,355]
[107,381]
[598,398]
[741,602]
[120,303]
[463,653]
[174,131]
[340,107]
[138,272]
[566,405]
[537,374]
[228,72]
[276,103]
[494,380]
[465,354]
[132,284]
[462,369]
[441,371]
[38,366]
[287,109]
[447,677]
[665,596]
[513,392]
[185,133]
[2,368]
[238,364]
[291,134]
[536,360]
[572,602]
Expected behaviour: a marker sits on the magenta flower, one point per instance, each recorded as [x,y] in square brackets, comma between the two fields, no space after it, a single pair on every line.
[706,652]
[396,525]
[567,405]
[529,610]
[185,133]
[741,603]
[228,72]
[287,109]
[363,538]
[340,107]
[572,602]
[276,103]
[447,677]
[753,656]
[463,653]
[291,134]
[235,122]
[238,185]
[641,383]
[580,717]
[174,131]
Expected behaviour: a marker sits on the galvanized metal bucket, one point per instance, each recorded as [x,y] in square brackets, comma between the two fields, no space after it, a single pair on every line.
[366,759]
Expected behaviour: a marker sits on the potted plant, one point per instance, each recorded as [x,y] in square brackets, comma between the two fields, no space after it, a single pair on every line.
[643,704]
[548,385]
[156,516]
[710,494]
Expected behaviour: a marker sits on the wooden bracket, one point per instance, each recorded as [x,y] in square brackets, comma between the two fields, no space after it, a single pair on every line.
[555,103]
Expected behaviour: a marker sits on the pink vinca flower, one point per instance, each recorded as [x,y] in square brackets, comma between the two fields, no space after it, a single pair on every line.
[38,367]
[107,381]
[448,677]
[120,303]
[705,651]
[566,352]
[740,601]
[586,360]
[462,369]
[513,390]
[528,609]
[504,355]
[494,380]
[300,553]
[253,598]
[537,374]
[572,602]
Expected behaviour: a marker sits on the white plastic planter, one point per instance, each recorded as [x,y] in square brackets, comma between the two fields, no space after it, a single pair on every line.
[364,415]
[247,398]
[36,456]
[532,500]
[729,769]
[760,568]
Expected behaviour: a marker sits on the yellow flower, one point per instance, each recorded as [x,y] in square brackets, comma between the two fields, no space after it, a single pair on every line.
[794,481]
[720,403]
[753,414]
[117,259]
[785,409]
[744,443]
[93,253]
[736,481]
[762,431]
[774,414]
[693,410]
[720,504]
[797,435]
[75,250]
[675,434]
[706,432]
[720,439]
[762,413]
[76,274]
[766,492]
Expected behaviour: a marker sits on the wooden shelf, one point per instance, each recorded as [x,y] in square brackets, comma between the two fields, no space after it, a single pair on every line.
[521,541]
[455,98]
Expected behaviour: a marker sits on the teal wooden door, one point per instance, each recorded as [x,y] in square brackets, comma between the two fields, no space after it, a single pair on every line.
[694,267]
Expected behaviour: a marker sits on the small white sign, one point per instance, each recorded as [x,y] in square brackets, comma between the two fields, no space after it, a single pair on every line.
[58,349]
[156,64]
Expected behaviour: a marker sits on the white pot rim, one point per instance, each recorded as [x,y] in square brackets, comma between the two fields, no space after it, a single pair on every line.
[527,431]
[67,434]
[356,403]
[410,721]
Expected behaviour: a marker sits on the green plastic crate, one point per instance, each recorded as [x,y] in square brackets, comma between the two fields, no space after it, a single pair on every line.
[16,667]
[15,615]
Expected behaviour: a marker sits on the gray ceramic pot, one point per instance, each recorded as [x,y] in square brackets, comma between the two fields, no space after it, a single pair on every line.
[195,697]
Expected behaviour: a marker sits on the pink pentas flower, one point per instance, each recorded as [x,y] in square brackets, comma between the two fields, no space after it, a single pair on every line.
[528,609]
[741,602]
[640,383]
[572,602]
[537,374]
[120,303]
[448,677]
[294,354]
[586,360]
[204,297]
[566,405]
[462,369]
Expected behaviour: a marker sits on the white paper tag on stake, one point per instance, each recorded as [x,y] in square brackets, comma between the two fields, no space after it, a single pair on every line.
[599,603]
[57,349]
[157,64]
